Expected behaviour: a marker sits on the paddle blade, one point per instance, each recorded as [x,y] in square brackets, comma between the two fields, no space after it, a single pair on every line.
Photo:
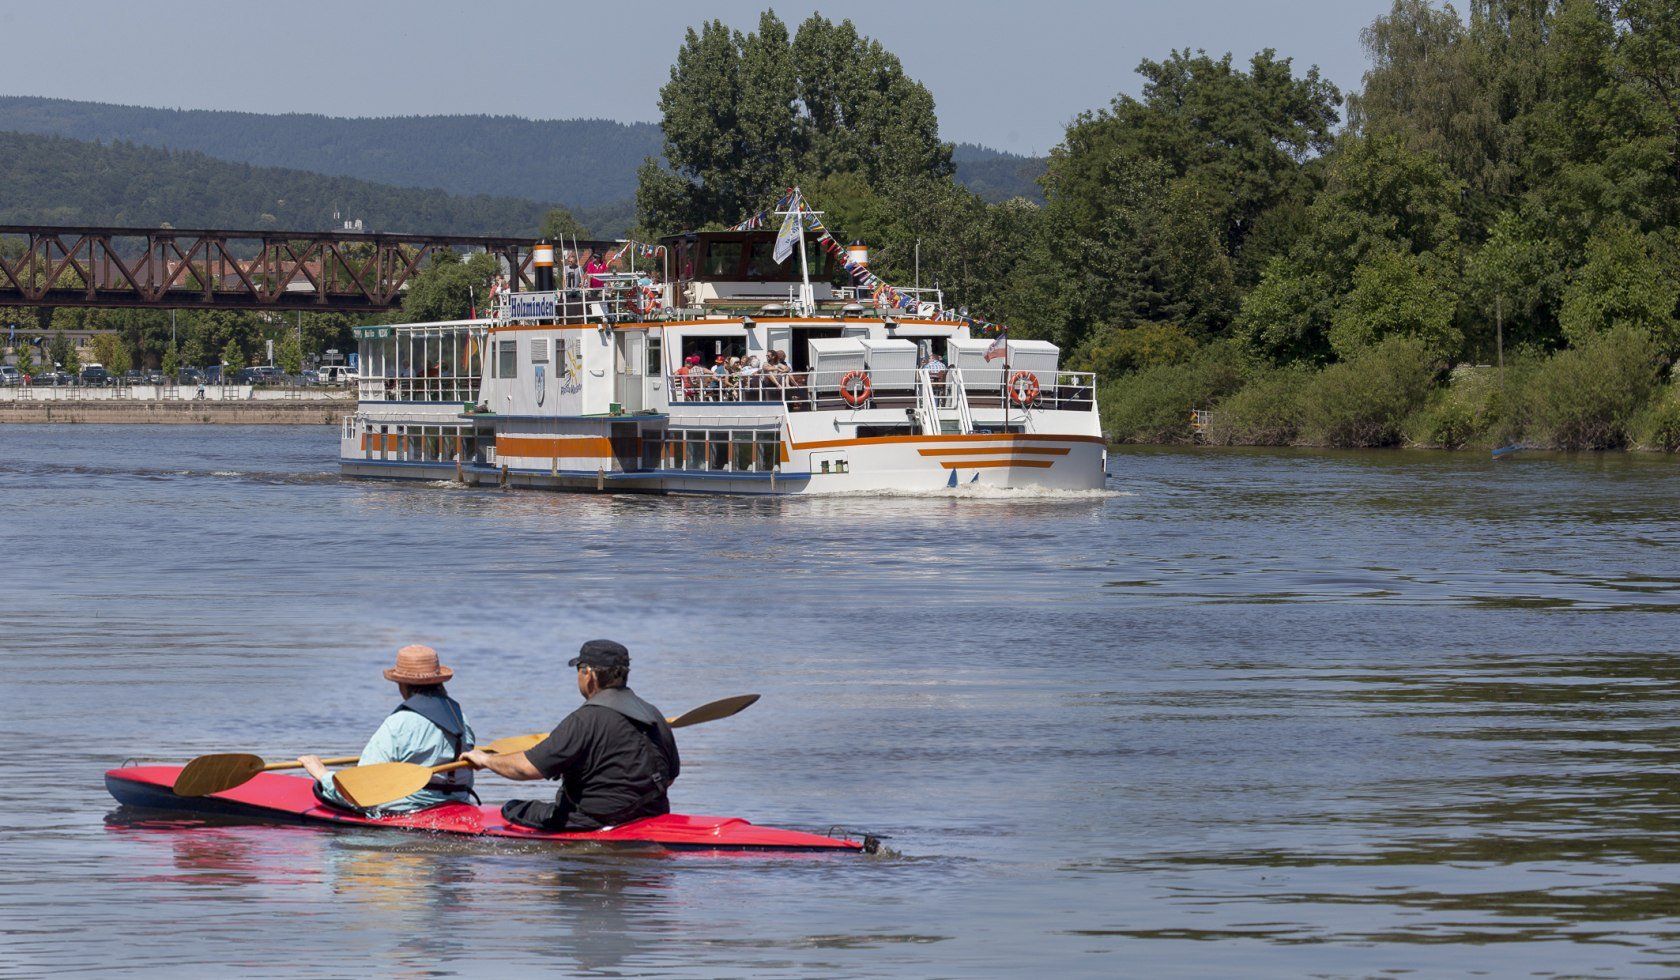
[376,785]
[214,773]
[712,711]
[514,744]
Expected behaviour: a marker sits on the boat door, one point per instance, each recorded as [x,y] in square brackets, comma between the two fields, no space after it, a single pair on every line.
[631,354]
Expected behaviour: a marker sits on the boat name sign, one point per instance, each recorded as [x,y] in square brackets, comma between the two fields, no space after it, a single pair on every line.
[533,306]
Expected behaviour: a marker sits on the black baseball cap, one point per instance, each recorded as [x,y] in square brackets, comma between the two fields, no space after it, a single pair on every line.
[601,653]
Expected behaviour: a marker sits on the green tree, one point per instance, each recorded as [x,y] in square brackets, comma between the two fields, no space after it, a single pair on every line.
[1622,283]
[25,359]
[745,115]
[1515,279]
[559,225]
[1456,91]
[288,353]
[233,358]
[60,351]
[1382,204]
[447,289]
[1245,136]
[171,361]
[193,353]
[1396,293]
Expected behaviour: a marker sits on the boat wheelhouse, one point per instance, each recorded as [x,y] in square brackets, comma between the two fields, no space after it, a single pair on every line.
[729,373]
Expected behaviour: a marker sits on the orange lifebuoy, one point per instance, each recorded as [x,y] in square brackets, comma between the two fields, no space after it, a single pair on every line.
[854,387]
[1023,388]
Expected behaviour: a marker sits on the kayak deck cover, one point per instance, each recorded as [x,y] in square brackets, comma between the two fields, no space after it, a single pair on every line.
[282,797]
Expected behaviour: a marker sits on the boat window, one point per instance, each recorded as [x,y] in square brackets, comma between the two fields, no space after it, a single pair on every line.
[874,431]
[507,362]
[711,348]
[723,259]
[655,366]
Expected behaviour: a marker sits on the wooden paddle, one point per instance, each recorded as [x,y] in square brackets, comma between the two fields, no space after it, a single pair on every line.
[223,771]
[375,785]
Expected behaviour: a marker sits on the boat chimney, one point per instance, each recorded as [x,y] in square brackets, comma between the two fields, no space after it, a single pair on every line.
[542,261]
[858,252]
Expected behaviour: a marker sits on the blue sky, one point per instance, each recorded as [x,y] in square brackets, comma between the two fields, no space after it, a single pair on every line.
[1007,74]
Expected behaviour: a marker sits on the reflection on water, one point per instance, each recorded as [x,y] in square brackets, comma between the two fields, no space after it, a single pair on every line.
[1246,712]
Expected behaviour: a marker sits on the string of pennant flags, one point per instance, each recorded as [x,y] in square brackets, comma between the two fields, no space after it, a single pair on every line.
[882,292]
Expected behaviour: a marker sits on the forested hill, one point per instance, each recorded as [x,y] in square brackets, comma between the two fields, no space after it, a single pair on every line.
[51,180]
[577,162]
[996,175]
[581,163]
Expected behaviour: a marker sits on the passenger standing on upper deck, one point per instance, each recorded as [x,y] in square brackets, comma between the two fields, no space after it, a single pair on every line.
[573,275]
[596,268]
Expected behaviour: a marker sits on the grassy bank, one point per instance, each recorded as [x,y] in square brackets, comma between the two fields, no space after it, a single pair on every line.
[1612,391]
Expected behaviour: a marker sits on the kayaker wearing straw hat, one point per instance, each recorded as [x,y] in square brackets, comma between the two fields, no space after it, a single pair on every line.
[427,729]
[615,756]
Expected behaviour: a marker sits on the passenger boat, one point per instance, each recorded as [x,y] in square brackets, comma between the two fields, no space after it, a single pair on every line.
[593,389]
[275,796]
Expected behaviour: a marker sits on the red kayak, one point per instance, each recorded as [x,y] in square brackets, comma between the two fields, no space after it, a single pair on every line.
[292,798]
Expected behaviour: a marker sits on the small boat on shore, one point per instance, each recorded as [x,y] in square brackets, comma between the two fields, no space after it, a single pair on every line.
[722,370]
[291,799]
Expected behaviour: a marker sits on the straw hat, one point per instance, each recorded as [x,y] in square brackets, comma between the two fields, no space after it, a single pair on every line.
[418,665]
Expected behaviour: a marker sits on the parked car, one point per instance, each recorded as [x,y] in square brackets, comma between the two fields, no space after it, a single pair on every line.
[309,378]
[265,374]
[337,374]
[134,377]
[95,376]
[10,376]
[156,377]
[49,379]
[190,376]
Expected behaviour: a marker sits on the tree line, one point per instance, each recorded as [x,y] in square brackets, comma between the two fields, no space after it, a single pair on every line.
[1485,251]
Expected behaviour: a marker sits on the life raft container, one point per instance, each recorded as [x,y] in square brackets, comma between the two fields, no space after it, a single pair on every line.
[1023,388]
[854,387]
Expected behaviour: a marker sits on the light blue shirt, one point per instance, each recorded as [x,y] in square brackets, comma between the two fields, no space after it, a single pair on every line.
[404,736]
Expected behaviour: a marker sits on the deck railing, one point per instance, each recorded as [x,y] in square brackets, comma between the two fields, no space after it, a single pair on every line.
[844,388]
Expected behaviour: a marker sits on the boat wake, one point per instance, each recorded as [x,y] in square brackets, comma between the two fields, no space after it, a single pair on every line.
[977,491]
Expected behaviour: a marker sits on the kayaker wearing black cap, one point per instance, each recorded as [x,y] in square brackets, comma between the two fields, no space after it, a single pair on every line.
[615,757]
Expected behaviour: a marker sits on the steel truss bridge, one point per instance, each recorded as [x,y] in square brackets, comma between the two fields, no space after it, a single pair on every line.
[169,268]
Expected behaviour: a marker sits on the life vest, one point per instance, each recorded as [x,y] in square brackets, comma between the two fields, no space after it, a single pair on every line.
[442,711]
[656,765]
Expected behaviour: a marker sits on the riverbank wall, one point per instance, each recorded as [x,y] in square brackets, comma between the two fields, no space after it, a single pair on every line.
[107,409]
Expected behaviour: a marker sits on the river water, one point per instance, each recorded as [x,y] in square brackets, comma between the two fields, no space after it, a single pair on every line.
[1258,713]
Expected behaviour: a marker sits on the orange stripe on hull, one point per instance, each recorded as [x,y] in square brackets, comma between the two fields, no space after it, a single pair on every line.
[545,447]
[976,464]
[991,441]
[984,450]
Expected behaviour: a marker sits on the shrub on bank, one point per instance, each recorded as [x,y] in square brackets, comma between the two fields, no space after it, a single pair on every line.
[1658,425]
[1363,402]
[1588,396]
[1266,412]
[1153,405]
[1466,410]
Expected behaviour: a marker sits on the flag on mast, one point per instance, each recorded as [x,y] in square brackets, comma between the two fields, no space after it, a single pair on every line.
[788,237]
[1000,346]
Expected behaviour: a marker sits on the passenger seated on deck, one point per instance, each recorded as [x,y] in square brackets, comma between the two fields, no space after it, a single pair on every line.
[776,368]
[690,373]
[427,729]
